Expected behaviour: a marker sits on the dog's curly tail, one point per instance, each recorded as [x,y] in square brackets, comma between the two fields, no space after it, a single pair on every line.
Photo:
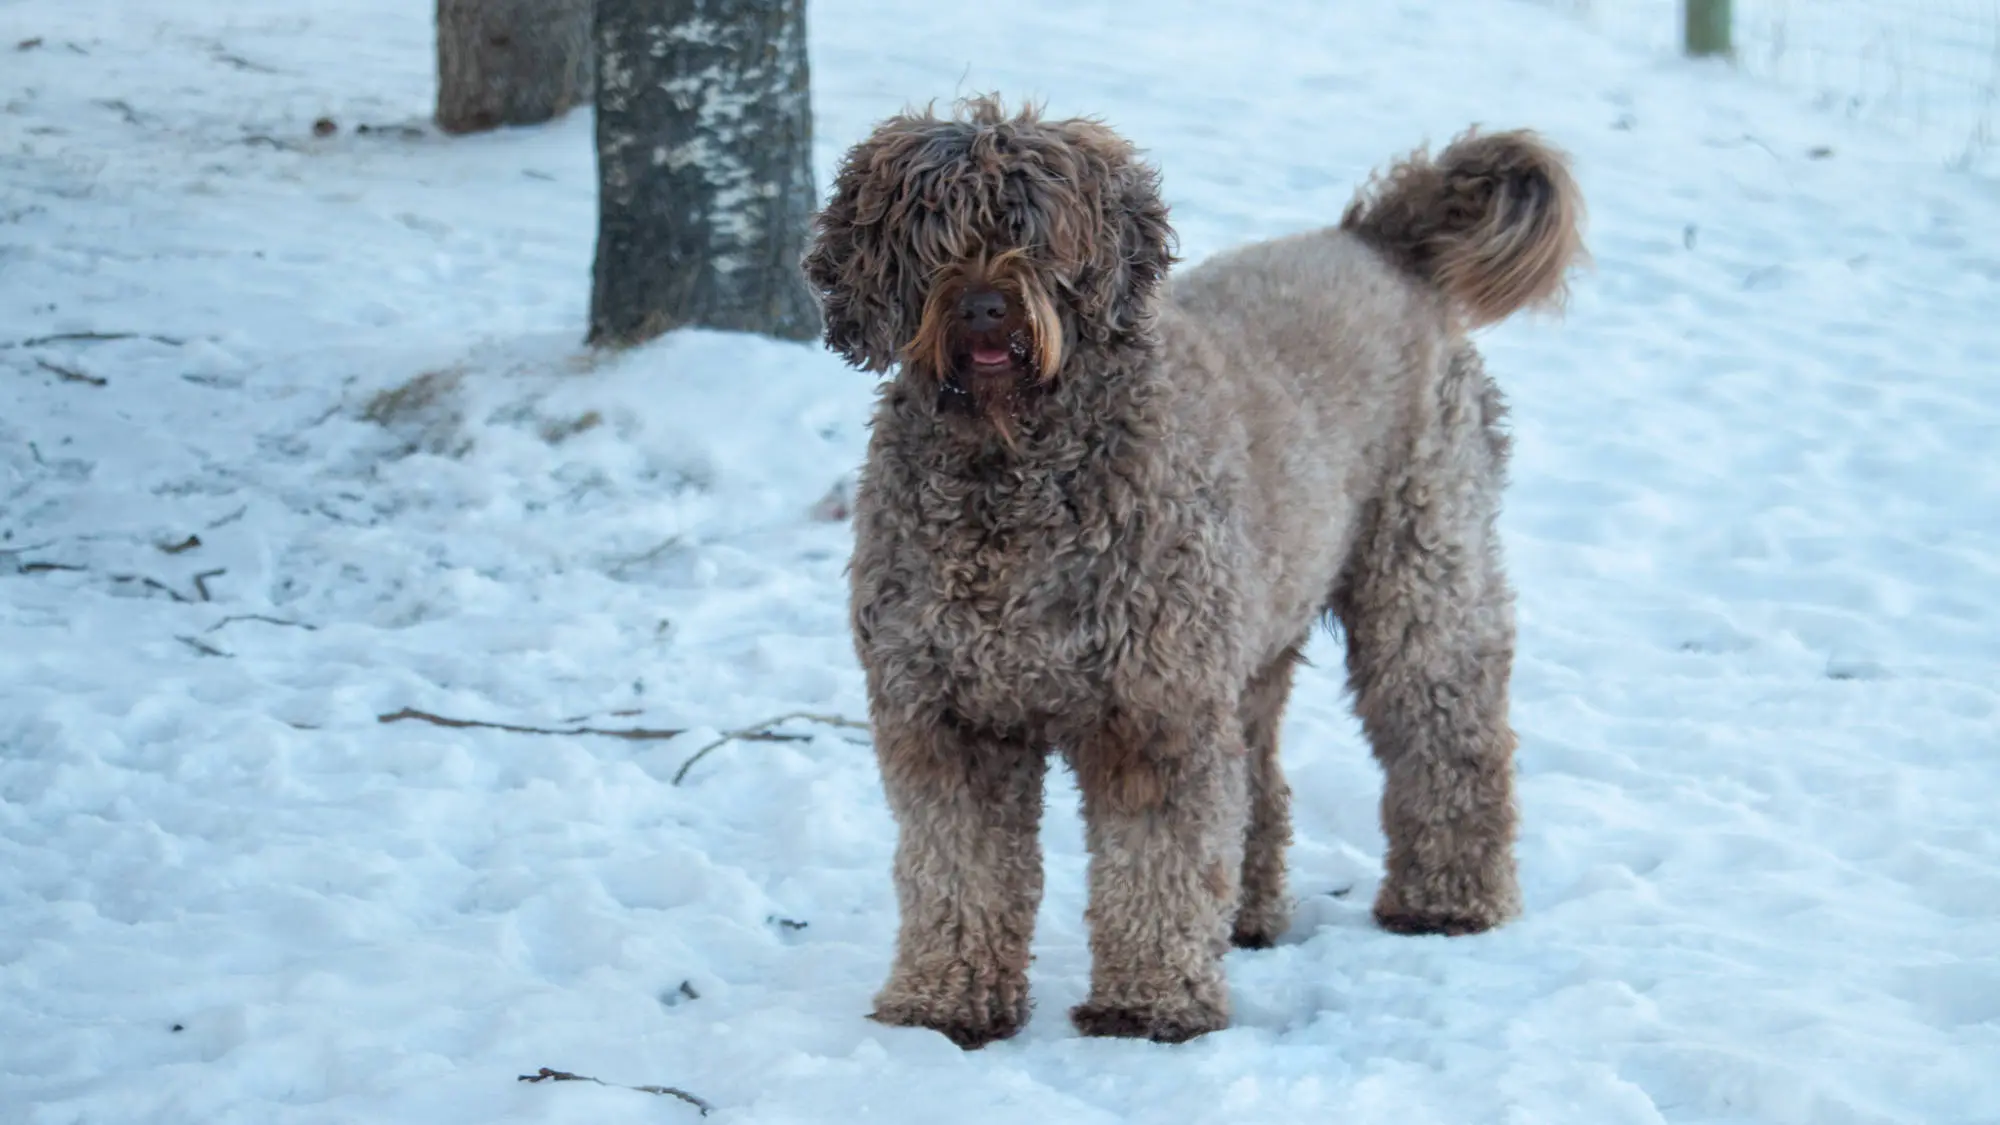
[1494,221]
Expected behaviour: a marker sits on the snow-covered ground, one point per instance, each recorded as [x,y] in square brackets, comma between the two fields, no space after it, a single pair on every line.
[1926,70]
[1755,526]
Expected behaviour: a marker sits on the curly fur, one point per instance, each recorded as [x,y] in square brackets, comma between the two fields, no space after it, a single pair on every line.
[1120,550]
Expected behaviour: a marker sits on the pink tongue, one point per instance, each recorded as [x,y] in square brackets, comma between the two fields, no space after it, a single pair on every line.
[989,357]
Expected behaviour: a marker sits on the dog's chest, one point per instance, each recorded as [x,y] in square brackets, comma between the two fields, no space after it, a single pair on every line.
[985,592]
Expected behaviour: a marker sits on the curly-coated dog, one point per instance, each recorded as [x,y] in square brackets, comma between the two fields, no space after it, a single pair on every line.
[1100,515]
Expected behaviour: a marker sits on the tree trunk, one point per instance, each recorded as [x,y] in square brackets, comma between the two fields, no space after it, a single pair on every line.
[1707,27]
[704,166]
[510,62]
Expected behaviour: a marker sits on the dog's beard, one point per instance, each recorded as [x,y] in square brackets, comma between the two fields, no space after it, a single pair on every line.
[976,388]
[972,380]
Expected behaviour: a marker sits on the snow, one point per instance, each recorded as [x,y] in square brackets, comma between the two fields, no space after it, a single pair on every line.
[1928,70]
[1755,527]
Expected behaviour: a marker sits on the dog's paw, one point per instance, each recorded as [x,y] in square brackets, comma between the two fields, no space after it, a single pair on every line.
[1451,925]
[968,1012]
[1161,1024]
[1455,907]
[1253,938]
[1164,1006]
[1260,926]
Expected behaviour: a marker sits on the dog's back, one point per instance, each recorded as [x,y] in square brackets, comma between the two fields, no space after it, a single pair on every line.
[1313,338]
[1331,348]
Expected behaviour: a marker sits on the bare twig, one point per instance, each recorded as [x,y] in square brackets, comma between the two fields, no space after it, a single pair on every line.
[71,374]
[122,579]
[201,582]
[756,732]
[760,732]
[201,646]
[92,337]
[124,109]
[547,1075]
[620,567]
[620,714]
[1753,139]
[404,131]
[230,518]
[631,734]
[188,544]
[148,583]
[235,617]
[239,62]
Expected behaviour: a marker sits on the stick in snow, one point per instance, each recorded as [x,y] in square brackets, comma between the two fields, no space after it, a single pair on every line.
[201,646]
[71,374]
[200,580]
[266,619]
[760,733]
[756,732]
[93,337]
[546,1075]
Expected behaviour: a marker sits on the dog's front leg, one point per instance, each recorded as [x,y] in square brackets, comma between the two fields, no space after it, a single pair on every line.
[1164,812]
[968,879]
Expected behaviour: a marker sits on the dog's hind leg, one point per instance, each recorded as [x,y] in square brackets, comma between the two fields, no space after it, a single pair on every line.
[968,879]
[1163,806]
[1264,909]
[1430,641]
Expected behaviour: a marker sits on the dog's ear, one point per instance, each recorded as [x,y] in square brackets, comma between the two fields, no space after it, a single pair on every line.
[1120,285]
[866,293]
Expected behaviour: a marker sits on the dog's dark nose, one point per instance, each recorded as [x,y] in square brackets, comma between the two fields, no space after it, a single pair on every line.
[982,309]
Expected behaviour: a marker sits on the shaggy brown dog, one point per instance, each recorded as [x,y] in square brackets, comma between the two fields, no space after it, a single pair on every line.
[1102,517]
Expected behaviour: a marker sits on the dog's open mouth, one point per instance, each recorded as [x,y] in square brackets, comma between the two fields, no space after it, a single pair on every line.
[990,373]
[989,358]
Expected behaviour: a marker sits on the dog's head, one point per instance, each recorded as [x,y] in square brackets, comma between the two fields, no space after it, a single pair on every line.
[983,250]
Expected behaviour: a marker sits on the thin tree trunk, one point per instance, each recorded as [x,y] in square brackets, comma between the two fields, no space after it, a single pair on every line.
[1707,27]
[511,62]
[704,161]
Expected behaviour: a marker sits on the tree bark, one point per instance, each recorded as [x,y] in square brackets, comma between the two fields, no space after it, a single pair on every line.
[1707,27]
[511,62]
[704,162]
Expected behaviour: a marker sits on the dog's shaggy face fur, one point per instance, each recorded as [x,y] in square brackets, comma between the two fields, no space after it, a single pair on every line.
[1058,219]
[1099,518]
